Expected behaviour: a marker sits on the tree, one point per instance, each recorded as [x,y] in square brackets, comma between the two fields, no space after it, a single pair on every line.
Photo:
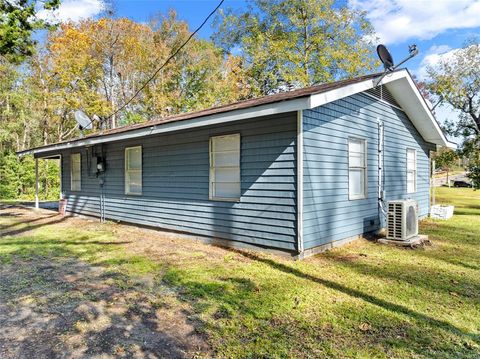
[423,88]
[473,172]
[98,65]
[456,81]
[17,23]
[295,43]
[445,159]
[18,127]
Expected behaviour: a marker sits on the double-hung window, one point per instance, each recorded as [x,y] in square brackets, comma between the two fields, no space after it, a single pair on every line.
[75,172]
[357,168]
[411,170]
[133,170]
[225,167]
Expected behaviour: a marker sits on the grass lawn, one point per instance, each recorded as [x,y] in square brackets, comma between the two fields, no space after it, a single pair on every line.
[75,288]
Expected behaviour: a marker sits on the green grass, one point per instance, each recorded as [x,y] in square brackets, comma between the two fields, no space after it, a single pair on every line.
[362,300]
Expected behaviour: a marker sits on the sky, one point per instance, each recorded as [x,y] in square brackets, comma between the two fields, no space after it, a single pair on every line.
[437,27]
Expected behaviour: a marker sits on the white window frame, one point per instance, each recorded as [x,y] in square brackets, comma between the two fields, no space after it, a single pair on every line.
[364,195]
[212,181]
[126,171]
[73,182]
[414,170]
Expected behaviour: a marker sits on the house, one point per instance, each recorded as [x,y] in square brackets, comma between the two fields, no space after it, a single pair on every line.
[295,172]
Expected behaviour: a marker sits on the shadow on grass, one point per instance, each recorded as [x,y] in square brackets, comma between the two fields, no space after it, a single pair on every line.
[3,227]
[65,242]
[364,296]
[14,232]
[60,306]
[429,278]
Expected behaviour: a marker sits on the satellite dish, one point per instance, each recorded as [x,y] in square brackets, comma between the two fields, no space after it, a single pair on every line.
[83,121]
[385,57]
[387,60]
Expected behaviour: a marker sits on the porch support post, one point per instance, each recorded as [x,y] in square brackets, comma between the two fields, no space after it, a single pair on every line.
[61,176]
[36,184]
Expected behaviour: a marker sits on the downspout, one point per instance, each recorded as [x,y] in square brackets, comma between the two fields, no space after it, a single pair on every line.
[381,148]
[432,180]
[300,181]
[101,182]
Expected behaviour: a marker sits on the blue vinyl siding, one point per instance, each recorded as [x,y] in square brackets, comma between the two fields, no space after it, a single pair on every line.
[176,184]
[176,177]
[328,213]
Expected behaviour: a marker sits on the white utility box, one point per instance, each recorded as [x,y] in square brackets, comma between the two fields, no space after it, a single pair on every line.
[441,212]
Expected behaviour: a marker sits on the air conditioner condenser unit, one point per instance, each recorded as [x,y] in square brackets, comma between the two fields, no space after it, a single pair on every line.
[402,220]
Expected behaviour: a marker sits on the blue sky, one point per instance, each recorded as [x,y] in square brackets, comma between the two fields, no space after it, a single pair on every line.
[437,27]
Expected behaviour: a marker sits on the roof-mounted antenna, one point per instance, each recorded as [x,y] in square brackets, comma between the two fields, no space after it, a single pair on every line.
[387,60]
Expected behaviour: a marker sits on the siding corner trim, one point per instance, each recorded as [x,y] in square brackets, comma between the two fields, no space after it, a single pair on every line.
[300,181]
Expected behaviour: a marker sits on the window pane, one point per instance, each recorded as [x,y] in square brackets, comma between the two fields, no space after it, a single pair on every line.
[411,156]
[410,176]
[411,160]
[410,186]
[356,160]
[356,145]
[226,143]
[356,183]
[75,163]
[411,181]
[356,152]
[134,158]
[75,185]
[227,190]
[134,182]
[227,174]
[226,159]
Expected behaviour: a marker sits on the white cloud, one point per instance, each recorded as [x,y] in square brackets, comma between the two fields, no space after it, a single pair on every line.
[74,10]
[434,56]
[400,20]
[443,53]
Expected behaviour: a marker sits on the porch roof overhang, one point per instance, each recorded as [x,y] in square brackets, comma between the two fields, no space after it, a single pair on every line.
[399,83]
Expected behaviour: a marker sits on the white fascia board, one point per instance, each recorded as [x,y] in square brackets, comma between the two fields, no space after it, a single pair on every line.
[214,119]
[408,96]
[452,145]
[349,90]
[337,94]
